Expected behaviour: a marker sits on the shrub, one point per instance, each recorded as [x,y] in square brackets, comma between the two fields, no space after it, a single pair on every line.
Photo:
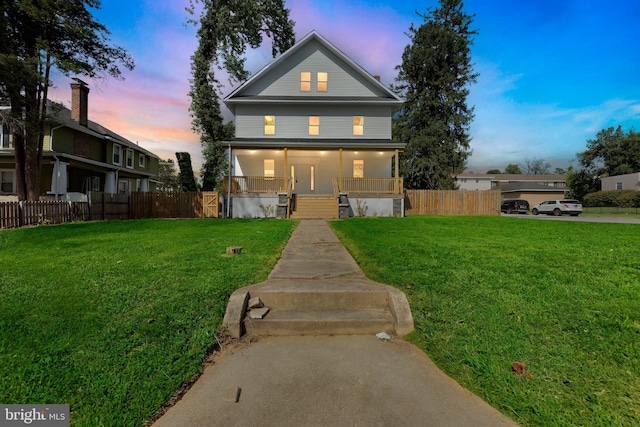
[613,198]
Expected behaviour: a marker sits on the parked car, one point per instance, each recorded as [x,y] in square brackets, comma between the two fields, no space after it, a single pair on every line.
[514,205]
[558,207]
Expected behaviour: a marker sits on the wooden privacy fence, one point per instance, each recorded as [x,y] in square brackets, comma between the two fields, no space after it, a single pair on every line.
[21,214]
[451,202]
[108,207]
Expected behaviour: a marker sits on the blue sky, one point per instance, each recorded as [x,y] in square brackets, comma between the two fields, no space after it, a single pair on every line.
[552,72]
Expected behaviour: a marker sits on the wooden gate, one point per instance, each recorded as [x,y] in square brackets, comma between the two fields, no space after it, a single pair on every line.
[210,204]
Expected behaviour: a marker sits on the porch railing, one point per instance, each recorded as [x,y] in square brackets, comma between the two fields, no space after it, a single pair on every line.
[256,184]
[371,185]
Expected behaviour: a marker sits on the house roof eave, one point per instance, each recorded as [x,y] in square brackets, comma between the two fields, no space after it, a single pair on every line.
[315,144]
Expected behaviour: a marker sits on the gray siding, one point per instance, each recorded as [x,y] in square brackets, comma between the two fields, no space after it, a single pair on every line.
[292,121]
[284,79]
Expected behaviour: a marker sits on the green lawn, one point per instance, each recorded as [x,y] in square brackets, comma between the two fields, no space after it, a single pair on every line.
[561,297]
[113,317]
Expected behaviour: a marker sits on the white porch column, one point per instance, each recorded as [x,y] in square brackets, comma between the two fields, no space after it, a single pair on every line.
[144,185]
[110,183]
[59,178]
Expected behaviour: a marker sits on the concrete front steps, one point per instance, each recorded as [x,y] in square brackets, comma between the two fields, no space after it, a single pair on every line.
[320,307]
[315,207]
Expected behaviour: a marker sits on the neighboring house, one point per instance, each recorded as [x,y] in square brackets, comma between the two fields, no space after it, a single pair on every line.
[533,188]
[478,181]
[80,155]
[313,139]
[630,181]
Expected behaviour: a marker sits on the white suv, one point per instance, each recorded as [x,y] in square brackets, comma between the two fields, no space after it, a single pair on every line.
[558,207]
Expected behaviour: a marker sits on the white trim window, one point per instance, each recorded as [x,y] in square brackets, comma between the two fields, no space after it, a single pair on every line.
[7,181]
[314,125]
[269,169]
[142,160]
[124,186]
[322,84]
[618,185]
[5,141]
[117,155]
[269,125]
[358,168]
[129,158]
[358,125]
[305,81]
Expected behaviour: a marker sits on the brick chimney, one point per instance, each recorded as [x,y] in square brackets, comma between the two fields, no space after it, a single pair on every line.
[377,77]
[79,102]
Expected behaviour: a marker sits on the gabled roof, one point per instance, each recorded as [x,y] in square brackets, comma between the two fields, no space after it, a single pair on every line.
[530,187]
[61,115]
[313,36]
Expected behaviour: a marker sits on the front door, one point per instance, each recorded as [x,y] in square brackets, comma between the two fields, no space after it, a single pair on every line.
[303,178]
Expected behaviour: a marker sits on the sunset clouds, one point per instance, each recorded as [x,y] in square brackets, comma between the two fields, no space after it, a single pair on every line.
[552,74]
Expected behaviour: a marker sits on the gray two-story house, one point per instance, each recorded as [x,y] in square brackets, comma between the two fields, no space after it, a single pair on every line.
[313,139]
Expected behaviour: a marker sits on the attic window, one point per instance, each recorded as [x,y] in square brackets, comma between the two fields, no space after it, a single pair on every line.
[314,125]
[305,81]
[269,125]
[358,125]
[322,82]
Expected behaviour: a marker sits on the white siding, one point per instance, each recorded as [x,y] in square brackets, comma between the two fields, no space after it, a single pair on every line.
[292,121]
[284,79]
[470,183]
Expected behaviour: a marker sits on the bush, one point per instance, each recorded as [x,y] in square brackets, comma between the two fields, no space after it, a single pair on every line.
[613,198]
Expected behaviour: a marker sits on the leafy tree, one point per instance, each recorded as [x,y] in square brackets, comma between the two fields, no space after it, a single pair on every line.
[37,37]
[560,171]
[186,179]
[513,169]
[214,162]
[225,29]
[582,182]
[168,176]
[494,171]
[612,152]
[434,79]
[535,166]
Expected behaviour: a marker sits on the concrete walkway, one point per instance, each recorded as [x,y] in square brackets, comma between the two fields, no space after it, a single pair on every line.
[342,380]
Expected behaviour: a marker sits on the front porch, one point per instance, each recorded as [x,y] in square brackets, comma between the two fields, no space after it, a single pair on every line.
[260,197]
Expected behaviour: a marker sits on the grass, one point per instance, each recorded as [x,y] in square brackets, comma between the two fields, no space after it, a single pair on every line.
[113,317]
[561,297]
[611,212]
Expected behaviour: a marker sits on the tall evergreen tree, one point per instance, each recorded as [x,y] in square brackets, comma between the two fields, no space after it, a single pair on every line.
[434,78]
[186,177]
[225,29]
[36,37]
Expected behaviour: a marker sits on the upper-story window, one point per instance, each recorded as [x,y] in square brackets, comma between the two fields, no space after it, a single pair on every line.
[141,160]
[117,155]
[5,143]
[322,82]
[269,125]
[129,162]
[305,81]
[358,125]
[314,125]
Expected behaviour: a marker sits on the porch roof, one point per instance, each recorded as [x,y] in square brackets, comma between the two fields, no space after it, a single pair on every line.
[315,143]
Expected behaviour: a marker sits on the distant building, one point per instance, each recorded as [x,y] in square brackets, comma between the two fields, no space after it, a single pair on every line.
[533,188]
[630,181]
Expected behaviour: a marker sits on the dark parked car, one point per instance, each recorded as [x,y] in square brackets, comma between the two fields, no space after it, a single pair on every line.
[514,206]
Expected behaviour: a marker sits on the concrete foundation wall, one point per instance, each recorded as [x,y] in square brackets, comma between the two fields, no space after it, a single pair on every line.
[374,206]
[249,207]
